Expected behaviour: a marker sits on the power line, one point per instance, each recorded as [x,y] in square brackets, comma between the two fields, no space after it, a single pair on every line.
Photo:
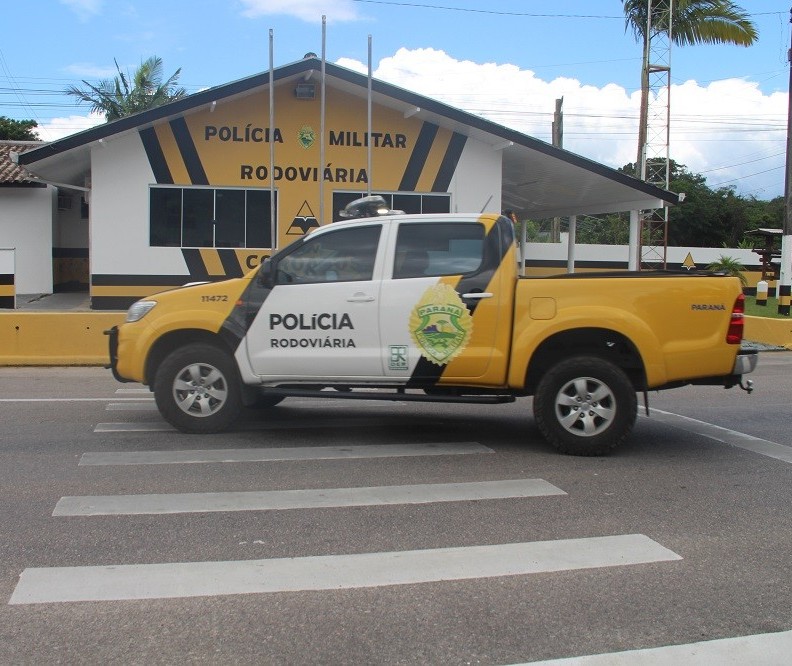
[471,10]
[749,175]
[487,11]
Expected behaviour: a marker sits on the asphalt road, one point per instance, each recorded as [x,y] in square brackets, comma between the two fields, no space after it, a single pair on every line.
[396,550]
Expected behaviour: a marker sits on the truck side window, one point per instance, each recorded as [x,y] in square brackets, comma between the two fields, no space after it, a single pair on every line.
[438,248]
[346,255]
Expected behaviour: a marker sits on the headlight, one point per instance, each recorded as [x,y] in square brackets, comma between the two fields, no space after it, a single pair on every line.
[139,310]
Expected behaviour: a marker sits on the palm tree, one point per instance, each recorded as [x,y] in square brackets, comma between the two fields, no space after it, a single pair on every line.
[730,266]
[116,98]
[692,22]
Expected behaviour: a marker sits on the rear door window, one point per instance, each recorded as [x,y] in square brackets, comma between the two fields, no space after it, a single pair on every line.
[447,248]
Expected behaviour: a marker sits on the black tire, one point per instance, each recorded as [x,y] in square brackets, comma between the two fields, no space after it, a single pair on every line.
[198,390]
[585,406]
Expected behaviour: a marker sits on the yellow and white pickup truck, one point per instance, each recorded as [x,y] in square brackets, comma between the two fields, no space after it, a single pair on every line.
[432,308]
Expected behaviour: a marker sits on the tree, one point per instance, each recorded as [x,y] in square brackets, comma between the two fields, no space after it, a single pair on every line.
[730,266]
[117,97]
[18,130]
[714,218]
[692,22]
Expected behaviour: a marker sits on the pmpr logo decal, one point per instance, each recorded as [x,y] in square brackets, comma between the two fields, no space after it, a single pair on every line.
[440,324]
[306,136]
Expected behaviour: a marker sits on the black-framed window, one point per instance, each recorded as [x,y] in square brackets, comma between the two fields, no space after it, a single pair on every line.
[409,202]
[446,248]
[209,217]
[345,255]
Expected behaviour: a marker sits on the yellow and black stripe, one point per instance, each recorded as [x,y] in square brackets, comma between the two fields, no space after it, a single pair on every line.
[7,291]
[118,292]
[497,243]
[784,293]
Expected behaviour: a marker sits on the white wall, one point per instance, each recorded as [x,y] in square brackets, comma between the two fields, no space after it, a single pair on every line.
[476,185]
[121,174]
[70,229]
[702,256]
[26,215]
[7,263]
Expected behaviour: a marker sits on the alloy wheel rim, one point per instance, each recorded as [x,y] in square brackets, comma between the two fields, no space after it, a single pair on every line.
[200,390]
[585,406]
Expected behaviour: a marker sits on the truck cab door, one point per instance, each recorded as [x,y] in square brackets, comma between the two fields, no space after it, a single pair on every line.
[441,319]
[320,319]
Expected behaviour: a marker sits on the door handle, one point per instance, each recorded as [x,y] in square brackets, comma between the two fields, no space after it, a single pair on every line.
[360,297]
[478,295]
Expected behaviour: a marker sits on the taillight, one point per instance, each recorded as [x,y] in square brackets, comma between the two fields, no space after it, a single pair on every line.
[734,335]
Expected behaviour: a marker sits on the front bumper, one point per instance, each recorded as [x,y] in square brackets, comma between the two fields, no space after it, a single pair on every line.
[112,345]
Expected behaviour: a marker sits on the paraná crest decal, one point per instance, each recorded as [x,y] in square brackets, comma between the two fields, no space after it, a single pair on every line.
[440,324]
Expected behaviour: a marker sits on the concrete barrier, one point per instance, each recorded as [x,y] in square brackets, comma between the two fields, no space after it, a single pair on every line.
[55,338]
[777,332]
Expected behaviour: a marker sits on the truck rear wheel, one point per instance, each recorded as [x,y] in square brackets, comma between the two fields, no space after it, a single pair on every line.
[197,389]
[585,406]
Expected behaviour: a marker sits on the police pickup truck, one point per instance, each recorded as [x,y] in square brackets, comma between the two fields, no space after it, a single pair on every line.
[432,308]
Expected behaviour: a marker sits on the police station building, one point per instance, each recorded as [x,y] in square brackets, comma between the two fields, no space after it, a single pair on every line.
[186,192]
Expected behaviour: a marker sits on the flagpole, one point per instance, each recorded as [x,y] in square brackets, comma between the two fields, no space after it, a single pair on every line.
[273,225]
[322,126]
[784,289]
[368,136]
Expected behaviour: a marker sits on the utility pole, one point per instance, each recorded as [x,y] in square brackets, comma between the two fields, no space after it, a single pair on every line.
[785,280]
[558,142]
[655,157]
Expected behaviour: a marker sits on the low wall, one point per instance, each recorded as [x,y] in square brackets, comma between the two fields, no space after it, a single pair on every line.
[55,338]
[776,332]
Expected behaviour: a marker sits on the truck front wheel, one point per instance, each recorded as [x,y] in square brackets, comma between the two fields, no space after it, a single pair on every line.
[197,389]
[585,406]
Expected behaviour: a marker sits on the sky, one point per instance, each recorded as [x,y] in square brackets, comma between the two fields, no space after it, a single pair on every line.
[506,60]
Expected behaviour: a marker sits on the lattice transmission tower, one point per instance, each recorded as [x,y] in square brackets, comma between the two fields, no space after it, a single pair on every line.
[655,151]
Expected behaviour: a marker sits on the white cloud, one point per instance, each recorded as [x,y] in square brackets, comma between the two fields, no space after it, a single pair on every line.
[87,70]
[57,128]
[726,130]
[84,8]
[305,10]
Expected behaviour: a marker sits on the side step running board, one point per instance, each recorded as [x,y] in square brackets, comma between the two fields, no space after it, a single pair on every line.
[390,395]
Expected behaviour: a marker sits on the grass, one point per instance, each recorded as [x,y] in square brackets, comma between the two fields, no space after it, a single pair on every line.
[770,310]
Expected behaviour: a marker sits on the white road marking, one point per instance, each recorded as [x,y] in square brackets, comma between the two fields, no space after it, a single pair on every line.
[142,404]
[274,500]
[65,399]
[159,426]
[283,454]
[732,437]
[758,650]
[144,391]
[132,406]
[289,423]
[331,572]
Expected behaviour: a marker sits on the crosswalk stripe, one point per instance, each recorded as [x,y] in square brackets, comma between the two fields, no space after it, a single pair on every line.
[132,407]
[331,572]
[35,400]
[148,405]
[159,426]
[294,423]
[758,650]
[273,500]
[280,454]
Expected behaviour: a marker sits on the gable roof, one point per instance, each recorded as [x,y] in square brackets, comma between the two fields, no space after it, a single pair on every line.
[539,179]
[11,174]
